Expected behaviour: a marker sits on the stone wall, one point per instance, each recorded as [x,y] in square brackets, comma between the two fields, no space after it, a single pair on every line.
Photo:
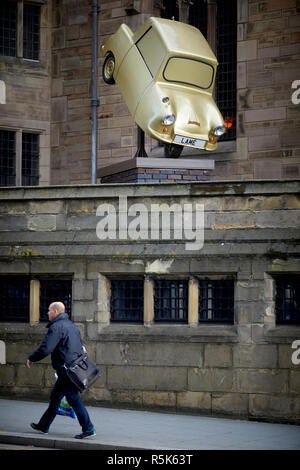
[240,370]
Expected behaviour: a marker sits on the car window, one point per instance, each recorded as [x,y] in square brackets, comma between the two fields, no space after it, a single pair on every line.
[189,71]
[152,50]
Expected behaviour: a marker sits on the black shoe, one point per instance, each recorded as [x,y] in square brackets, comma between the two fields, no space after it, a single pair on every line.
[37,428]
[84,434]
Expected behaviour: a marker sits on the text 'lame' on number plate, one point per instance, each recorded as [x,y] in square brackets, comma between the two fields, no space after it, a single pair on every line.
[179,139]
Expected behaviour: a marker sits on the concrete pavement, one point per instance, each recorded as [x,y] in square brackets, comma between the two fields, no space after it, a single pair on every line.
[128,429]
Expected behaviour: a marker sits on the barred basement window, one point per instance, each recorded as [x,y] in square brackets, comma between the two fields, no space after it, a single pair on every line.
[30,159]
[8,28]
[216,301]
[14,298]
[287,299]
[127,301]
[52,290]
[171,301]
[31,35]
[7,158]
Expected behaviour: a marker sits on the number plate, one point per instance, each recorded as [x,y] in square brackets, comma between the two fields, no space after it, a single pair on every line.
[180,139]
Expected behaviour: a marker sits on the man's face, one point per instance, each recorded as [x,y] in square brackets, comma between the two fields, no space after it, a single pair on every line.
[51,313]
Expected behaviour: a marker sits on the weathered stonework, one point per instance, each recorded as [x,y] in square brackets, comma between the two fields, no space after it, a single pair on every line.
[242,370]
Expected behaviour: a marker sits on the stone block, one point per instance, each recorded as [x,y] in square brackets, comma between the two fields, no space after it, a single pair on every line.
[12,222]
[46,207]
[230,403]
[236,219]
[42,223]
[83,311]
[270,168]
[295,381]
[217,355]
[247,50]
[200,401]
[268,114]
[146,378]
[59,109]
[210,380]
[285,352]
[82,290]
[150,354]
[262,381]
[249,291]
[159,399]
[272,406]
[7,375]
[255,356]
[33,376]
[280,218]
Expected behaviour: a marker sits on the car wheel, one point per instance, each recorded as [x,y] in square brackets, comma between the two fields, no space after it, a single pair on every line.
[108,69]
[173,150]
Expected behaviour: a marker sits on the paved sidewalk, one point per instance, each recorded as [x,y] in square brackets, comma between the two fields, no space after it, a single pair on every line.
[127,429]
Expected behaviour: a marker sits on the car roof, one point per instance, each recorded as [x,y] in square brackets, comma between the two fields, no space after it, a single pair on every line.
[179,38]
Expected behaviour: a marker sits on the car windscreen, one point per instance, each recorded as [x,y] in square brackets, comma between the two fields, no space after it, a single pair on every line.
[189,71]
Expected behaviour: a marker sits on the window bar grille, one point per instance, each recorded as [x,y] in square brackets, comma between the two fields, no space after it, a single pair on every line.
[198,15]
[52,290]
[127,301]
[216,301]
[8,28]
[30,159]
[171,301]
[287,300]
[226,74]
[31,32]
[14,298]
[7,158]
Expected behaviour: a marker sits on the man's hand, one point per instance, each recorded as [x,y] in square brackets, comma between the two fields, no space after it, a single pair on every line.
[28,363]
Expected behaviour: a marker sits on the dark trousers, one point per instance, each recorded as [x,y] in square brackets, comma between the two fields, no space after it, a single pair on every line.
[63,387]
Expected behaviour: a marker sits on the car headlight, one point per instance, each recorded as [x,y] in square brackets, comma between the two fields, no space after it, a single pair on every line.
[169,119]
[219,130]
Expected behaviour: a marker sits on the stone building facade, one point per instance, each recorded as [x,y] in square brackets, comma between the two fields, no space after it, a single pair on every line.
[241,368]
[52,96]
[247,194]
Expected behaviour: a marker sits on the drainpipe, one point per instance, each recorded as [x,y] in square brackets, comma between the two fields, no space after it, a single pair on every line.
[95,102]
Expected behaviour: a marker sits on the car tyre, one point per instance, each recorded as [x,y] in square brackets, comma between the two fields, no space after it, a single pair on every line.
[108,69]
[173,150]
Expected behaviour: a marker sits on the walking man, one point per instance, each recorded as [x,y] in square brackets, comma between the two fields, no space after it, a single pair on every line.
[63,342]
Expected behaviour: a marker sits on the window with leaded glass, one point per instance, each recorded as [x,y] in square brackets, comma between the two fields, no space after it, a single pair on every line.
[7,158]
[30,159]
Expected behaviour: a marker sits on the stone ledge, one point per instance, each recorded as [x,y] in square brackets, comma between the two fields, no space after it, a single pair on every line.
[168,333]
[172,189]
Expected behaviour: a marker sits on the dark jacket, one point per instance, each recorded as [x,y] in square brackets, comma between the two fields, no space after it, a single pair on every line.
[63,342]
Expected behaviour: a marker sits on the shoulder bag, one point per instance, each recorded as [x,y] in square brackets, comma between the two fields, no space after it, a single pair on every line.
[82,372]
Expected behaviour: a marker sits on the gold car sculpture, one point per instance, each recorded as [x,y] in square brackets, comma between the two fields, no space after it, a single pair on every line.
[166,73]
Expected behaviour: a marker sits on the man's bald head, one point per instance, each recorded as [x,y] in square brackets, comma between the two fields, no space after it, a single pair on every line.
[55,309]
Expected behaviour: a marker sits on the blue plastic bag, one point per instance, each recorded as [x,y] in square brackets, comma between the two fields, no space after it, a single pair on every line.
[65,409]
